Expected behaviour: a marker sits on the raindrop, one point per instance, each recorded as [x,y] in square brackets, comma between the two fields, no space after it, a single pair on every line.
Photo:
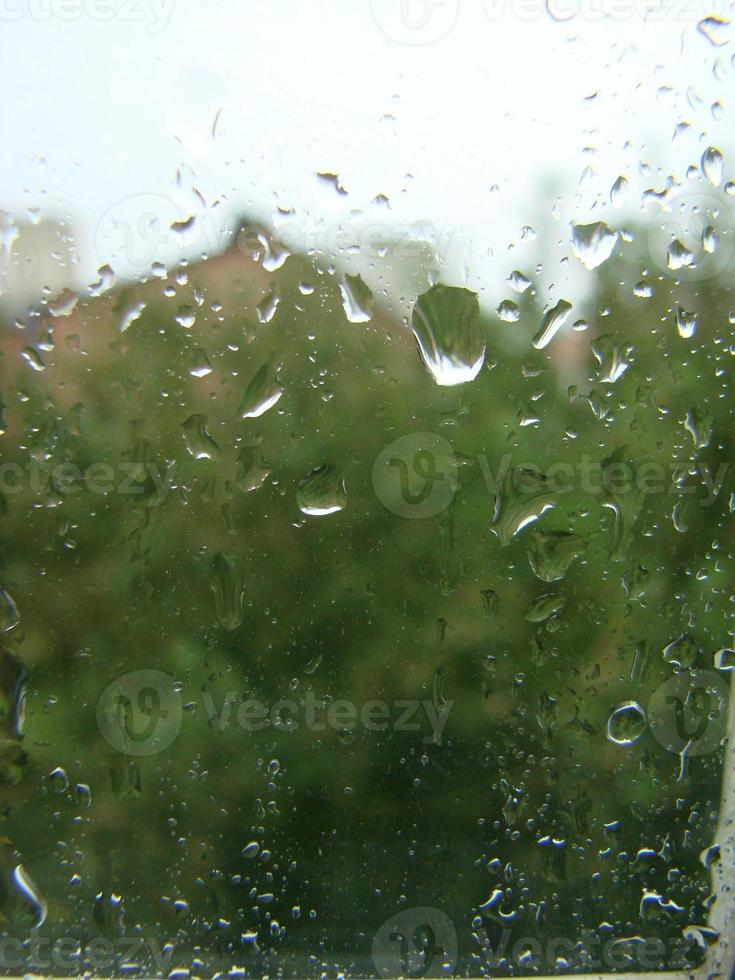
[613,355]
[643,290]
[710,240]
[593,244]
[517,281]
[83,794]
[200,366]
[252,470]
[508,311]
[617,192]
[32,898]
[686,323]
[681,652]
[321,492]
[228,588]
[712,165]
[64,305]
[698,423]
[357,299]
[31,356]
[263,391]
[544,608]
[526,495]
[725,659]
[626,723]
[552,552]
[446,324]
[551,324]
[130,316]
[715,29]
[266,308]
[490,602]
[58,780]
[251,850]
[678,256]
[197,439]
[9,615]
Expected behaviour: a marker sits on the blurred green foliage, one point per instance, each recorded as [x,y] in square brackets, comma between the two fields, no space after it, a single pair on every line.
[362,604]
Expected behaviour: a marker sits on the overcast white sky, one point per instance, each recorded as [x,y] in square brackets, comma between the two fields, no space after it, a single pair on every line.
[498,110]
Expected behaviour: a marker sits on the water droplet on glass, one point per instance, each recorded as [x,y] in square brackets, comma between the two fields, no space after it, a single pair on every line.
[34,910]
[331,179]
[613,355]
[58,780]
[33,359]
[681,652]
[552,323]
[508,311]
[9,615]
[13,679]
[186,317]
[712,165]
[715,29]
[518,282]
[626,723]
[252,470]
[197,439]
[322,492]
[643,290]
[526,495]
[593,244]
[263,391]
[490,602]
[544,608]
[446,324]
[266,308]
[83,794]
[725,659]
[200,366]
[678,256]
[251,850]
[313,665]
[65,304]
[550,553]
[686,323]
[130,315]
[228,587]
[617,192]
[698,423]
[357,299]
[710,240]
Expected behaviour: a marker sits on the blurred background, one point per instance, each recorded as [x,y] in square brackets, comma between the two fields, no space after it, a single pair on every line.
[224,230]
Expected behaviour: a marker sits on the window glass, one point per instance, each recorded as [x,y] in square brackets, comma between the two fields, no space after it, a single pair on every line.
[366,488]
